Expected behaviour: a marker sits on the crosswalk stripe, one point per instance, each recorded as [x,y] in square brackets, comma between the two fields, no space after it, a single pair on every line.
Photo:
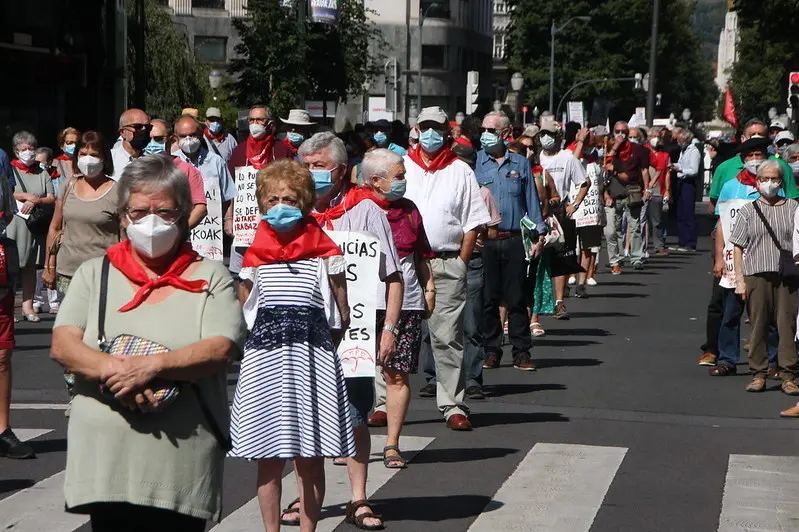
[29,434]
[40,507]
[556,488]
[760,494]
[248,516]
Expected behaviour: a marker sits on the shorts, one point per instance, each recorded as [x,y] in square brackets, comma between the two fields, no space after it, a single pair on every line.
[7,338]
[361,394]
[590,237]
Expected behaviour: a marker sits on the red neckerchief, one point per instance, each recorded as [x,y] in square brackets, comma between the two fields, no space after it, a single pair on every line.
[747,178]
[444,158]
[305,241]
[625,150]
[63,157]
[210,136]
[121,257]
[54,173]
[291,147]
[382,203]
[32,169]
[571,147]
[259,152]
[351,199]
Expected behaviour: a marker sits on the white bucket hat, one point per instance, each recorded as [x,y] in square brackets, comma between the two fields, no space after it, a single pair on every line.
[298,117]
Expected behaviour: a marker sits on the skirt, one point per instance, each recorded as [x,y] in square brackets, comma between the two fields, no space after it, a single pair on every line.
[409,340]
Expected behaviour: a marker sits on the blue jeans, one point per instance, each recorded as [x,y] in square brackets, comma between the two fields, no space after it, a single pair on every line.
[730,332]
[473,353]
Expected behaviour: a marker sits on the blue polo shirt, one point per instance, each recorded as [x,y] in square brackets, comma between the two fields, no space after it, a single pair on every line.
[511,183]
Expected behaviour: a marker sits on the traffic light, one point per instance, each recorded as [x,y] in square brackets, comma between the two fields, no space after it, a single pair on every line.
[472,91]
[793,89]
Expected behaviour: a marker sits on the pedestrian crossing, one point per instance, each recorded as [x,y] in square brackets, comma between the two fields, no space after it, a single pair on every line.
[555,487]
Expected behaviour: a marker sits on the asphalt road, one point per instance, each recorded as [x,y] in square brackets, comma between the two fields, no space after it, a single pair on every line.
[618,430]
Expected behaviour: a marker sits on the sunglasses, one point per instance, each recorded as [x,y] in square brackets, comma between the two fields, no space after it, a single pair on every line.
[617,131]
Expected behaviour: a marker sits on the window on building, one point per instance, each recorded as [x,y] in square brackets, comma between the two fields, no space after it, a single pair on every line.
[208,4]
[210,49]
[499,45]
[500,6]
[434,56]
[439,10]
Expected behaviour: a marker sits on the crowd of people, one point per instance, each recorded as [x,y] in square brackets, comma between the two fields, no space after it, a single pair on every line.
[483,228]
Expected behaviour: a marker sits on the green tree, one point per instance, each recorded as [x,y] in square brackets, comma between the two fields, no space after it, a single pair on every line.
[170,74]
[614,44]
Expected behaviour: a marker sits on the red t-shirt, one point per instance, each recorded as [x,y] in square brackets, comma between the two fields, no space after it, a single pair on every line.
[660,161]
[195,181]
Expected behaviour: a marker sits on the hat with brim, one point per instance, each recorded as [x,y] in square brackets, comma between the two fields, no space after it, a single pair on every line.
[783,135]
[298,117]
[432,114]
[754,144]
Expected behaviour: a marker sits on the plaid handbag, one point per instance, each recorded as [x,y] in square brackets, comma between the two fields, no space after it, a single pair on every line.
[128,345]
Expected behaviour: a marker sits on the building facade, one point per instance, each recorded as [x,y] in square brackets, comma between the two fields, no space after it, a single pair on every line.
[208,25]
[501,21]
[728,42]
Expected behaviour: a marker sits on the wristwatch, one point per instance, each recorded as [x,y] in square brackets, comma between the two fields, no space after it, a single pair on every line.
[390,327]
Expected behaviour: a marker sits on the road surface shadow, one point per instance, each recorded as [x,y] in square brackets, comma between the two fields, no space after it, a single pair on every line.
[48,446]
[575,332]
[15,484]
[619,295]
[542,363]
[602,315]
[482,420]
[502,390]
[542,341]
[433,508]
[620,283]
[470,454]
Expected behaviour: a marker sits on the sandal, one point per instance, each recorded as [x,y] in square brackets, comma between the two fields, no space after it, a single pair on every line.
[33,318]
[536,329]
[387,460]
[358,520]
[291,510]
[340,461]
[722,370]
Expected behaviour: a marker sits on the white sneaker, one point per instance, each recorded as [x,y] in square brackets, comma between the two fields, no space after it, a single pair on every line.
[572,280]
[591,281]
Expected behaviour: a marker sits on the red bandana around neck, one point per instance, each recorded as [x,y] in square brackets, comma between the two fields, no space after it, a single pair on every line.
[351,199]
[291,147]
[307,240]
[32,169]
[63,157]
[747,178]
[444,158]
[121,257]
[259,152]
[625,151]
[211,136]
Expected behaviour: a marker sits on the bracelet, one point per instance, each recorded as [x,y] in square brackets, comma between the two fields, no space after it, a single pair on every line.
[390,327]
[49,267]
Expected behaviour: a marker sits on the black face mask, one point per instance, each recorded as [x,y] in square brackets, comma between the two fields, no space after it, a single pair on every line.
[141,138]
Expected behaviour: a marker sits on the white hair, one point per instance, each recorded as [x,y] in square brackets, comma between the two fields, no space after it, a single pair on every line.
[23,137]
[378,162]
[771,164]
[155,173]
[504,120]
[323,140]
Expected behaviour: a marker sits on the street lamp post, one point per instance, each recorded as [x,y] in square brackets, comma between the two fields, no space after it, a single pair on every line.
[553,30]
[215,81]
[516,84]
[422,16]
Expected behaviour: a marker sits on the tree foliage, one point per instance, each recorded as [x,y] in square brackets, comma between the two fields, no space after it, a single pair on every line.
[280,60]
[768,49]
[171,80]
[614,44]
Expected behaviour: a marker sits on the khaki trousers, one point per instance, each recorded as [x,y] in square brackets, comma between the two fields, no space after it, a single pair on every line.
[770,299]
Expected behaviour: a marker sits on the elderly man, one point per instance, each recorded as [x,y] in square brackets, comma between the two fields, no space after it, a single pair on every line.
[326,157]
[627,169]
[509,178]
[257,151]
[219,140]
[688,172]
[448,197]
[298,128]
[192,150]
[134,132]
[382,135]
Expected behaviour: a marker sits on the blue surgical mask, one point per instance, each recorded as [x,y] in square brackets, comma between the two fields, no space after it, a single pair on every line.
[380,138]
[282,217]
[431,140]
[397,189]
[795,167]
[215,128]
[489,140]
[154,148]
[600,152]
[323,180]
[295,138]
[69,149]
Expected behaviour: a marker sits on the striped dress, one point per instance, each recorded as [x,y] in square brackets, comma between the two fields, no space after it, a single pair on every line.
[290,399]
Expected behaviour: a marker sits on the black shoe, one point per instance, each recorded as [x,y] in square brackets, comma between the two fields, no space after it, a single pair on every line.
[475,392]
[579,292]
[429,390]
[11,447]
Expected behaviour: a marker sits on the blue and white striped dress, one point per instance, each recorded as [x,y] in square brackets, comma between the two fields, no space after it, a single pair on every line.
[291,399]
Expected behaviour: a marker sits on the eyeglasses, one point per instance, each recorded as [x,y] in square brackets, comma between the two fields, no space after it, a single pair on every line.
[137,214]
[488,130]
[160,139]
[258,120]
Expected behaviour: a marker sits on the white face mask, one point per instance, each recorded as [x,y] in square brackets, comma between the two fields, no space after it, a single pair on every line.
[152,236]
[27,157]
[189,145]
[90,165]
[257,130]
[654,142]
[547,142]
[769,189]
[753,165]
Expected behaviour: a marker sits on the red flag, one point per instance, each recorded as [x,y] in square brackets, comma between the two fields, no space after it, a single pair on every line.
[729,109]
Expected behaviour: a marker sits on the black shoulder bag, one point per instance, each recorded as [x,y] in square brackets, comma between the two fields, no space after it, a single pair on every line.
[40,217]
[787,264]
[125,344]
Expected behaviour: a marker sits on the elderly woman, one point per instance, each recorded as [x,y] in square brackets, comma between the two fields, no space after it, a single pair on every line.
[291,399]
[67,142]
[766,278]
[34,191]
[384,176]
[132,458]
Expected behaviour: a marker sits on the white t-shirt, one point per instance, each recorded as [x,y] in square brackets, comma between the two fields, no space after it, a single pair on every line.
[449,201]
[566,171]
[121,159]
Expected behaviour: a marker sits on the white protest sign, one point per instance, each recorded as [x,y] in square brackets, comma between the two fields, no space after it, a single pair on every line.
[728,212]
[592,209]
[358,349]
[245,207]
[206,238]
[576,112]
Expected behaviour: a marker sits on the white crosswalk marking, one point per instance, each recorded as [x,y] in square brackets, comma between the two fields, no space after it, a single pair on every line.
[29,434]
[760,493]
[556,488]
[248,516]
